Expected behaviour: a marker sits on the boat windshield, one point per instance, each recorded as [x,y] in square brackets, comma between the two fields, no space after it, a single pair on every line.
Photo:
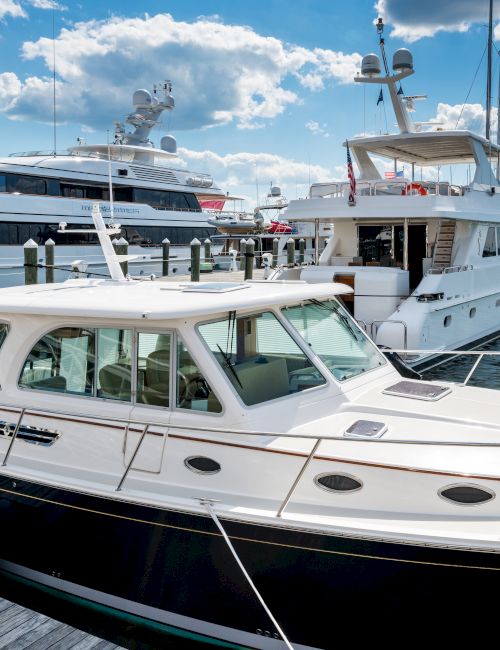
[335,338]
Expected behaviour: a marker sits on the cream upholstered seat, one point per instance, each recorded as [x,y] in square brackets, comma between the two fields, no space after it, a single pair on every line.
[156,379]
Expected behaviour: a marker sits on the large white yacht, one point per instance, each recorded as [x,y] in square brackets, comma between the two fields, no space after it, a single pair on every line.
[151,198]
[240,462]
[423,256]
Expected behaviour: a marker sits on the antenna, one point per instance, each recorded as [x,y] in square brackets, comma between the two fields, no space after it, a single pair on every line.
[110,182]
[488,78]
[54,77]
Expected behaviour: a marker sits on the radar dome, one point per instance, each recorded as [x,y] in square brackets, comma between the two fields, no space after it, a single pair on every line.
[142,99]
[169,143]
[275,191]
[402,60]
[370,65]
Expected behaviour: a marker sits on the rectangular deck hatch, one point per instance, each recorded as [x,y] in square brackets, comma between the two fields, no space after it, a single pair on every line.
[366,429]
[418,390]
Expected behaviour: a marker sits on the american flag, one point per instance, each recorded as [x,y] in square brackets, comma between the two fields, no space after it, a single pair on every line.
[394,174]
[351,177]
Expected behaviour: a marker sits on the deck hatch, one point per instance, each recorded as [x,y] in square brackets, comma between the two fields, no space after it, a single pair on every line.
[418,390]
[366,429]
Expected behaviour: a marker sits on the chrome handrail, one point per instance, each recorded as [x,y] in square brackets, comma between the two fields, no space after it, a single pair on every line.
[14,436]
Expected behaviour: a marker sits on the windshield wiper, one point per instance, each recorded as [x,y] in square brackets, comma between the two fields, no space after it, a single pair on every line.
[342,317]
[229,365]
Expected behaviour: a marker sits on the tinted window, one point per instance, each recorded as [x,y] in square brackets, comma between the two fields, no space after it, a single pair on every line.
[260,358]
[25,184]
[4,328]
[114,364]
[153,368]
[61,361]
[193,390]
[3,184]
[490,245]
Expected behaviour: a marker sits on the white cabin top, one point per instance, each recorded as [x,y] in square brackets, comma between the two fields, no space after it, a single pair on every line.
[143,300]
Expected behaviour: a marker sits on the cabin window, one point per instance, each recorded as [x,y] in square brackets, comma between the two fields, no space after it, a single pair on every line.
[114,364]
[26,184]
[62,361]
[490,245]
[259,357]
[340,483]
[447,321]
[153,369]
[3,186]
[467,494]
[335,338]
[193,390]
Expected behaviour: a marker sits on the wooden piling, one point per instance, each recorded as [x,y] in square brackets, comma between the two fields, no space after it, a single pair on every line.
[249,258]
[208,252]
[121,248]
[276,244]
[49,260]
[30,262]
[290,251]
[302,250]
[243,248]
[165,247]
[195,260]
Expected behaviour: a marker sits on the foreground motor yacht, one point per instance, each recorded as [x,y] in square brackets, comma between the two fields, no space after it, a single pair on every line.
[151,199]
[240,462]
[423,256]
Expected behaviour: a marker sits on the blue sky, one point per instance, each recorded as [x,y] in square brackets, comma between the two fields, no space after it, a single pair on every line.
[263,90]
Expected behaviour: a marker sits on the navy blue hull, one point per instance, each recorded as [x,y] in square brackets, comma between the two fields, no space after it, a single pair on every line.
[177,562]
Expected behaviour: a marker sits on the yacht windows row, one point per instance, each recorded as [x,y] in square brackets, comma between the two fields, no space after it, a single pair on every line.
[492,242]
[118,364]
[161,199]
[17,234]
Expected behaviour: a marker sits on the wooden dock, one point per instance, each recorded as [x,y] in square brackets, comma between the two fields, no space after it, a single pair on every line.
[22,628]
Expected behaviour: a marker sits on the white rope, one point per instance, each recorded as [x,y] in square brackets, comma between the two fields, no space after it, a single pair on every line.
[209,508]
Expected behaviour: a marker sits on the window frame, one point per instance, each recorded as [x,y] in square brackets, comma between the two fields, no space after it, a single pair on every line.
[297,339]
[7,326]
[133,403]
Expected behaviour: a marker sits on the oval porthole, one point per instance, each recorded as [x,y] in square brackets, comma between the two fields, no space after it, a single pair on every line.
[202,465]
[467,495]
[472,312]
[447,321]
[341,483]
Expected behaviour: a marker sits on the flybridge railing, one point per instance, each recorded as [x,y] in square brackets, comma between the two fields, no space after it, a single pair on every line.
[387,188]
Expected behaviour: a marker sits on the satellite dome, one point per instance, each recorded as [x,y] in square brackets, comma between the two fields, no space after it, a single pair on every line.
[370,65]
[402,60]
[275,191]
[142,99]
[169,143]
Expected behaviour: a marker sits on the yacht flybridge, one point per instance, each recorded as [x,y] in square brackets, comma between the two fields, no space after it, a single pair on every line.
[240,462]
[423,256]
[150,197]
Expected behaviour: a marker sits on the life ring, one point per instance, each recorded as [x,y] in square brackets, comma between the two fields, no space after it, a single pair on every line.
[414,186]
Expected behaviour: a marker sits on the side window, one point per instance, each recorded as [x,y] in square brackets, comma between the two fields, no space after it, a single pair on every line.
[153,368]
[490,245]
[193,390]
[61,361]
[114,364]
[498,241]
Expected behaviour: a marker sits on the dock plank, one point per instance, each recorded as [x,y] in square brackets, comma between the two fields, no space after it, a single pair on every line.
[50,638]
[69,641]
[15,622]
[21,637]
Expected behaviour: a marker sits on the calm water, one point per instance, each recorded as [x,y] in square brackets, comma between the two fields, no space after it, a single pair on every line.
[131,632]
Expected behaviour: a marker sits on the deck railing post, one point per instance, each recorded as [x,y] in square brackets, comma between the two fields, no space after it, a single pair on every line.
[299,476]
[136,450]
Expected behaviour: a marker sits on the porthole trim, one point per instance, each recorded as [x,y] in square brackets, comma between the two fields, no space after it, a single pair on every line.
[343,474]
[200,471]
[483,488]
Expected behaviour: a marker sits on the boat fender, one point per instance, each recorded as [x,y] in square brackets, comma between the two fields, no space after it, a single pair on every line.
[399,363]
[414,186]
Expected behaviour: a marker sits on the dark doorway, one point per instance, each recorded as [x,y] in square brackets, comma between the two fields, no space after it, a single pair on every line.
[417,250]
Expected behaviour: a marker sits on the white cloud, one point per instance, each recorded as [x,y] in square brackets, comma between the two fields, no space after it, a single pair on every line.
[413,21]
[316,129]
[241,171]
[47,4]
[11,8]
[10,87]
[470,117]
[221,73]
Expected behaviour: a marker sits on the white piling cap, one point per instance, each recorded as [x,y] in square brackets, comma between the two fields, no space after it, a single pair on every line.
[166,241]
[195,242]
[207,241]
[290,239]
[50,242]
[30,244]
[121,242]
[251,242]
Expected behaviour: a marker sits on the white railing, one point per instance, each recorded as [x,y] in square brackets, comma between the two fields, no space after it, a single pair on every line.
[385,188]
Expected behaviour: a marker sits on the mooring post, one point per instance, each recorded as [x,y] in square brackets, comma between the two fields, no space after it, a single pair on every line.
[208,252]
[290,251]
[249,258]
[302,250]
[276,244]
[195,260]
[49,260]
[165,247]
[30,262]
[243,248]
